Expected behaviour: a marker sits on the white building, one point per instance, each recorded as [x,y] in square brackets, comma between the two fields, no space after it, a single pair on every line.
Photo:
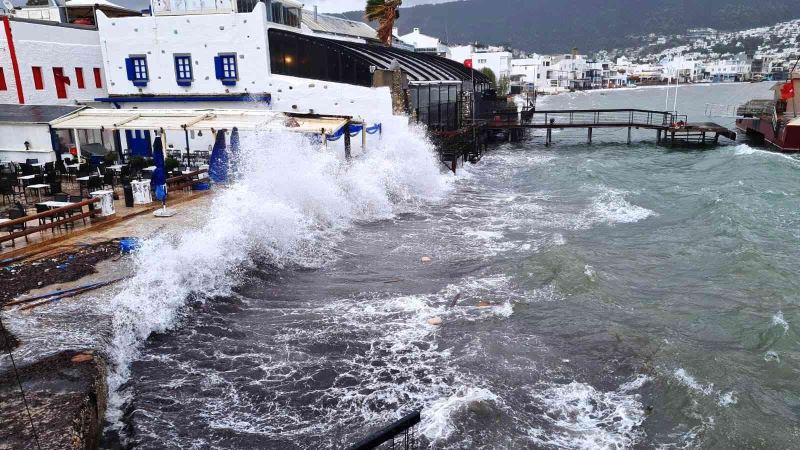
[426,44]
[685,70]
[498,59]
[49,63]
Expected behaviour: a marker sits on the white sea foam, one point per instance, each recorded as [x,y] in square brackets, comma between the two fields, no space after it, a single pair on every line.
[578,416]
[289,199]
[611,207]
[779,321]
[724,399]
[746,150]
[437,418]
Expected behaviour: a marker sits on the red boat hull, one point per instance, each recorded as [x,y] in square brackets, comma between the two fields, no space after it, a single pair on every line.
[787,139]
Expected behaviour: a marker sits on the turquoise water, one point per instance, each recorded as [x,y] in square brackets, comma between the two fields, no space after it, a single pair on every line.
[604,296]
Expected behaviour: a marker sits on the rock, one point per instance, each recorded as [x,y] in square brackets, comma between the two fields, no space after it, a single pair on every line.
[435,321]
[67,395]
[426,259]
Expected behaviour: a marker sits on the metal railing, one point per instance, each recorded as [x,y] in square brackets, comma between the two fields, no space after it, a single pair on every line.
[399,435]
[586,118]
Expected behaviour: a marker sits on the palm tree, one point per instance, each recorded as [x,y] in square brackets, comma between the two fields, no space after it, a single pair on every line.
[386,12]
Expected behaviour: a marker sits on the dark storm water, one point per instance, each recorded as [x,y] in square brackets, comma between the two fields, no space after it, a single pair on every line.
[638,297]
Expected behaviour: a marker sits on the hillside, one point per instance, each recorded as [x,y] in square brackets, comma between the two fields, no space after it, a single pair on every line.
[553,27]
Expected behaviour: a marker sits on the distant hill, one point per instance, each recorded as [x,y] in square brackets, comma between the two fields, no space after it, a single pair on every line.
[558,26]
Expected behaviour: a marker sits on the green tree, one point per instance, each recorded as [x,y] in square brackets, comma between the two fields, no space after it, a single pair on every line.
[386,12]
[490,74]
[504,85]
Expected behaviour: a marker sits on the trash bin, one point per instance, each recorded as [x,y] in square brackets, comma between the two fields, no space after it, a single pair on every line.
[128,190]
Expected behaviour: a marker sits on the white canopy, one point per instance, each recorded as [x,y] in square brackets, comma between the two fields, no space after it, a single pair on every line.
[196,119]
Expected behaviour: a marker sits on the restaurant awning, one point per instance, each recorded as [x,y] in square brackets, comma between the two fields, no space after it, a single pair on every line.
[197,119]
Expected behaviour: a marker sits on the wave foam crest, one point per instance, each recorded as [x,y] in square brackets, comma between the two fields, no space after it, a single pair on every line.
[289,199]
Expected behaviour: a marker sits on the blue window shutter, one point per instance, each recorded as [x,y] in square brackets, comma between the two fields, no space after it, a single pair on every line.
[130,69]
[218,67]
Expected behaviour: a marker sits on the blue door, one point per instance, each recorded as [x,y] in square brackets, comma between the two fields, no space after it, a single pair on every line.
[139,142]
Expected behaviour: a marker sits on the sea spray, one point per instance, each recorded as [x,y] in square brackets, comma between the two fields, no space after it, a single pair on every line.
[289,193]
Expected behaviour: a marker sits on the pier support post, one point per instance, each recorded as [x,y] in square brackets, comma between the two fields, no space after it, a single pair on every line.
[549,137]
[629,135]
[658,137]
[704,138]
[590,135]
[672,143]
[347,145]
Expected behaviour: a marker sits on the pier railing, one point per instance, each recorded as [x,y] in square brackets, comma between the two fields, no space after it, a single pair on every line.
[584,118]
[398,435]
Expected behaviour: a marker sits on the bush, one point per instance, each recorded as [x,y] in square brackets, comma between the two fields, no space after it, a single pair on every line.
[110,158]
[137,163]
[171,164]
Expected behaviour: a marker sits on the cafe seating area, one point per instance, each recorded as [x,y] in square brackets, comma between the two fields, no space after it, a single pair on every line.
[33,189]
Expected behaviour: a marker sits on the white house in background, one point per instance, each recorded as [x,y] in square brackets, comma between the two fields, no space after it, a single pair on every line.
[683,69]
[736,69]
[426,44]
[498,59]
[49,63]
[533,71]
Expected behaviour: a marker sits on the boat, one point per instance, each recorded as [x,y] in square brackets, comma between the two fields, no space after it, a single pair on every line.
[777,120]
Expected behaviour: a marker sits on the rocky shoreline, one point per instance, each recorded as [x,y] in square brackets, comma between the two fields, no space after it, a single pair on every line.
[65,391]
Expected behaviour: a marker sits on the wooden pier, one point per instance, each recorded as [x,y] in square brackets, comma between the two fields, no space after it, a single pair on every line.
[671,129]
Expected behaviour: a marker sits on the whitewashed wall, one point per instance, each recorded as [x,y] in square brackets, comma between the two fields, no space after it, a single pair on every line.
[51,45]
[202,36]
[14,136]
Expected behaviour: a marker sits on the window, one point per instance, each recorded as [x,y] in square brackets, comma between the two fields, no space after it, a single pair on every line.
[98,78]
[137,70]
[226,69]
[3,86]
[38,81]
[183,70]
[79,78]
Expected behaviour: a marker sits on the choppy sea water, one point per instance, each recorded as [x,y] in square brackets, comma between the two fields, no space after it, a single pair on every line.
[604,296]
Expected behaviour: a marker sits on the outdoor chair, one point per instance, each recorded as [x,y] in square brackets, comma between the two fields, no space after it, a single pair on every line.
[95,184]
[7,190]
[15,213]
[55,186]
[61,197]
[108,179]
[32,161]
[26,169]
[43,220]
[79,210]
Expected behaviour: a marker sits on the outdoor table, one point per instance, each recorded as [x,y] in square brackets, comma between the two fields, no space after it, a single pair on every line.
[26,177]
[141,192]
[38,164]
[38,188]
[106,202]
[116,167]
[55,205]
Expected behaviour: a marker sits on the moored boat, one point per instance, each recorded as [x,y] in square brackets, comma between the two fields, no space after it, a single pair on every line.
[776,121]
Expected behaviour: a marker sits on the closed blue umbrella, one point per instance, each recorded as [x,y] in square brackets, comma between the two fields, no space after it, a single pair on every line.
[159,180]
[235,149]
[218,166]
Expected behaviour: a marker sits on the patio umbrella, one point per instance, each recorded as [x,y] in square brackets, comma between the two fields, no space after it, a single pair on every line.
[159,180]
[235,149]
[218,165]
